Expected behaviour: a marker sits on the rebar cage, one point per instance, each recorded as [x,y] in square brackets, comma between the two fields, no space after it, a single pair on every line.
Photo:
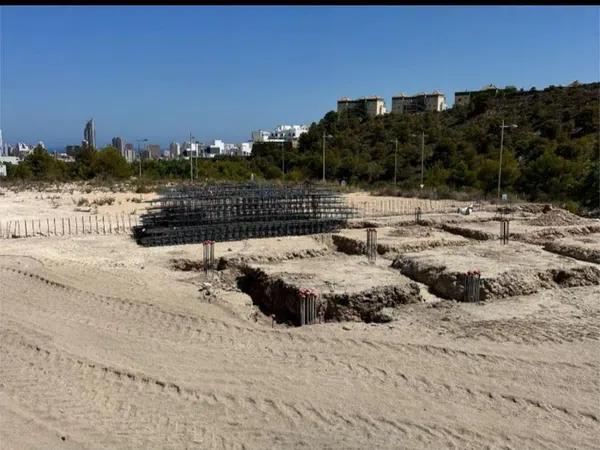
[229,212]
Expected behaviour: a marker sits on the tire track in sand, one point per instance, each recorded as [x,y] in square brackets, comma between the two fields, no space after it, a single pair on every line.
[104,399]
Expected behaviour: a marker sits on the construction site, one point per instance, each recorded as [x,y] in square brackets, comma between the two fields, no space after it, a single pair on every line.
[263,316]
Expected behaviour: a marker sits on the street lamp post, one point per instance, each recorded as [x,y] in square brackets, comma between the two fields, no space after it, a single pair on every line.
[191,159]
[395,161]
[325,136]
[139,154]
[502,127]
[422,156]
[283,160]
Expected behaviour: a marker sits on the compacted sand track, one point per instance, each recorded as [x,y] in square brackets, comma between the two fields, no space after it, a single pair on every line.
[103,346]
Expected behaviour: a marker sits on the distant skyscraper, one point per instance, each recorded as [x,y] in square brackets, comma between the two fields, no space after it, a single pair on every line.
[129,153]
[175,150]
[1,144]
[89,133]
[154,151]
[118,143]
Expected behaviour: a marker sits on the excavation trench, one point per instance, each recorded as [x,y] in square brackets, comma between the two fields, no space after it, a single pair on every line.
[275,295]
[582,252]
[450,284]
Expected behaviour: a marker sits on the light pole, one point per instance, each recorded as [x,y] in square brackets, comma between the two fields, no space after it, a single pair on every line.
[395,160]
[191,159]
[422,155]
[283,160]
[325,136]
[139,154]
[502,127]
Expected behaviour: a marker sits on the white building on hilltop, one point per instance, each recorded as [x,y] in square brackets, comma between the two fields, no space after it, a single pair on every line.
[245,148]
[373,105]
[283,133]
[289,132]
[261,136]
[410,104]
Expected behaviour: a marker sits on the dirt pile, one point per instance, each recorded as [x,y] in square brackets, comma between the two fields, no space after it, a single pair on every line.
[556,218]
[534,208]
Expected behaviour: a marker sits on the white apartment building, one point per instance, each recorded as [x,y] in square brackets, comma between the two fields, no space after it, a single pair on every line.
[435,101]
[245,148]
[191,148]
[282,133]
[289,132]
[214,149]
[261,136]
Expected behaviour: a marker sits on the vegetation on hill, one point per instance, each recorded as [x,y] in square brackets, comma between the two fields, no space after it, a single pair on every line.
[553,155]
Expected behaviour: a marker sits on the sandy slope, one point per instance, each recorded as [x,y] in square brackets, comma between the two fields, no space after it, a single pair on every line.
[104,345]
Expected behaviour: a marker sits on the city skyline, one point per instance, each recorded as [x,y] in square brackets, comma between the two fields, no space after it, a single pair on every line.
[61,66]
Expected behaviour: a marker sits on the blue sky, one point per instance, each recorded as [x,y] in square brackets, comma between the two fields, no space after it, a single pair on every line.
[220,72]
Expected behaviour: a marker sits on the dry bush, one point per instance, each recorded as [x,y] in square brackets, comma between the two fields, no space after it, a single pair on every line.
[83,202]
[104,201]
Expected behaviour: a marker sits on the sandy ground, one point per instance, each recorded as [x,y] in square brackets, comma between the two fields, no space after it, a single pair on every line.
[63,202]
[104,345]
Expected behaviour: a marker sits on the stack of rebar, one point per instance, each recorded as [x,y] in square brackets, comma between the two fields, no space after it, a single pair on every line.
[229,212]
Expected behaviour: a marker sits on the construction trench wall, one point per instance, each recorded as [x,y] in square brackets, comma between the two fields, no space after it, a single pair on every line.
[273,295]
[450,284]
[580,252]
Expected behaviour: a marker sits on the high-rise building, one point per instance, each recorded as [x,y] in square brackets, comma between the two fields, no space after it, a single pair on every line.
[154,151]
[175,149]
[118,143]
[89,133]
[129,153]
[1,144]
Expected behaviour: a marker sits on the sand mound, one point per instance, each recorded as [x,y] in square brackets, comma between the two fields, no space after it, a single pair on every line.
[556,217]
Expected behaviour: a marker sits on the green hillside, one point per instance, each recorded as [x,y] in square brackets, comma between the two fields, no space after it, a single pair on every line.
[552,155]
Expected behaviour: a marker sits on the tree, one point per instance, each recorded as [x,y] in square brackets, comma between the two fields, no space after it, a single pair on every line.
[85,159]
[109,163]
[43,166]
